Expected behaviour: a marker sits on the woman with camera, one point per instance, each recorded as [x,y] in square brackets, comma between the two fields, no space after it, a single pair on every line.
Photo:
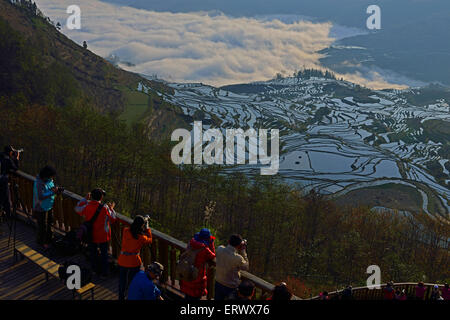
[44,193]
[134,238]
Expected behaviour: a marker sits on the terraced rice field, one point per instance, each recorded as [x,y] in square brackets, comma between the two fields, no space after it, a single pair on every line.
[333,141]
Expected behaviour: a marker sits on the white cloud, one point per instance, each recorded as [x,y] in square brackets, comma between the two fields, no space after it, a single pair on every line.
[214,49]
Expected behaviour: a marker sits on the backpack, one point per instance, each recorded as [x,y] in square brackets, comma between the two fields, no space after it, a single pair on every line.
[86,274]
[185,269]
[68,245]
[84,233]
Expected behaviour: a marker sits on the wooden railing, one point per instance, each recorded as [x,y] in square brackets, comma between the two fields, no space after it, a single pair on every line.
[164,249]
[364,293]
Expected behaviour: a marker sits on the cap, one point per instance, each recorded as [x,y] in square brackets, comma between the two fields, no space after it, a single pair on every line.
[156,268]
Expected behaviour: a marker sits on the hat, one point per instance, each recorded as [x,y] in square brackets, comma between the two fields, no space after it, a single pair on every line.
[156,268]
[436,286]
[204,236]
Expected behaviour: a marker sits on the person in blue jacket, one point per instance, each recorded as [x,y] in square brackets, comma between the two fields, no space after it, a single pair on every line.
[44,193]
[142,287]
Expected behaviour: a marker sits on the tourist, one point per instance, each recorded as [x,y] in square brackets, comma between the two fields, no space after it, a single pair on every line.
[435,294]
[420,291]
[203,252]
[230,260]
[324,296]
[389,292]
[347,293]
[92,207]
[281,293]
[9,162]
[44,193]
[143,286]
[400,295]
[446,292]
[244,292]
[134,238]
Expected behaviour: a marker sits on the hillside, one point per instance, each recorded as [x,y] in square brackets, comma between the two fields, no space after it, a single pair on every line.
[42,66]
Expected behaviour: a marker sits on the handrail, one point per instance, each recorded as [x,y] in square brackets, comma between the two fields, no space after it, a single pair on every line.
[164,249]
[374,293]
[120,217]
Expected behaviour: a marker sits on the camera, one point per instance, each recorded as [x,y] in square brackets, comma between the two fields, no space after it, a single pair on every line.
[17,152]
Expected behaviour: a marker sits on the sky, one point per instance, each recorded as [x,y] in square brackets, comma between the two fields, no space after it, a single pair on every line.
[208,47]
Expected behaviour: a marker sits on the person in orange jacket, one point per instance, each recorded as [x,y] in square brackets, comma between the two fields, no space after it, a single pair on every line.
[134,237]
[101,229]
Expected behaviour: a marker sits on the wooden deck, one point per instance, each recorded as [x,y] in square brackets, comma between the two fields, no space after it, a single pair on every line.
[24,280]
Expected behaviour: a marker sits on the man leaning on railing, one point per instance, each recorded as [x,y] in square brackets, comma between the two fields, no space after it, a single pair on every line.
[230,260]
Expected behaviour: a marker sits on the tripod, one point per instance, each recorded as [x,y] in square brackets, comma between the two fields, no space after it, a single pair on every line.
[13,224]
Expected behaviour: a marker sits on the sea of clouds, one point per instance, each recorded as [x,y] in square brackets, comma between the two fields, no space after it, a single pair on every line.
[199,47]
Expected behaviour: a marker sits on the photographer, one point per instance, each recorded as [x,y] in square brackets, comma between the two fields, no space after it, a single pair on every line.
[229,261]
[101,228]
[44,193]
[9,162]
[134,238]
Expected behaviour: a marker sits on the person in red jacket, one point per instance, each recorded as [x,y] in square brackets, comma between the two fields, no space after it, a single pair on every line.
[133,239]
[420,291]
[389,291]
[101,229]
[203,241]
[446,292]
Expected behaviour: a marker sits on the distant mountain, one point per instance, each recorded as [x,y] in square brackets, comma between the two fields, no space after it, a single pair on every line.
[414,41]
[345,12]
[418,49]
[41,66]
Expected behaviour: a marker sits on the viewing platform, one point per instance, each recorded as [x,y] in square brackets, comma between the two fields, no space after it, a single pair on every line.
[24,280]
